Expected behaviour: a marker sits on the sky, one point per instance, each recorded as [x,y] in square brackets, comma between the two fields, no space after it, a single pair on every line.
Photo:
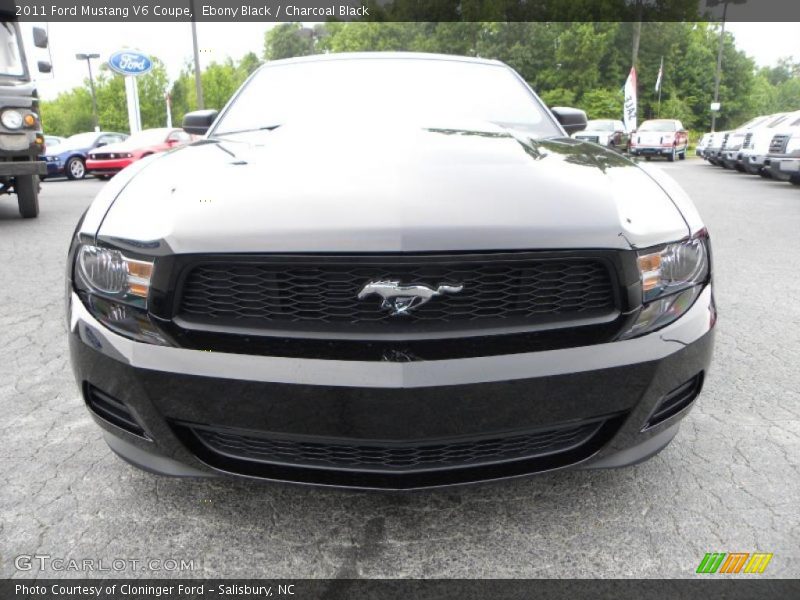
[172,44]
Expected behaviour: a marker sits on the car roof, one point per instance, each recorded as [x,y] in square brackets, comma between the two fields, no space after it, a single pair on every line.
[336,56]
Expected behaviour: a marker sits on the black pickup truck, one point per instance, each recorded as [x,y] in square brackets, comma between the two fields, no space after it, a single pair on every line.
[21,138]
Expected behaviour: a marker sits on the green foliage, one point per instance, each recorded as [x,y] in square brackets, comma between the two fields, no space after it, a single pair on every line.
[602,103]
[558,97]
[70,113]
[581,64]
[288,40]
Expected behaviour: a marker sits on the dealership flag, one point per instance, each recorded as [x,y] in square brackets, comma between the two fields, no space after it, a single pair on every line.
[660,75]
[629,111]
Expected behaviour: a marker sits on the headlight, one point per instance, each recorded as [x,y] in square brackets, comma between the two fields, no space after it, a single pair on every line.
[114,287]
[672,278]
[673,268]
[11,119]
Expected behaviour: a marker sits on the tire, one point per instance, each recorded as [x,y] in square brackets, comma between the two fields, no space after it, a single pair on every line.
[682,155]
[75,168]
[765,174]
[794,179]
[671,157]
[647,158]
[27,189]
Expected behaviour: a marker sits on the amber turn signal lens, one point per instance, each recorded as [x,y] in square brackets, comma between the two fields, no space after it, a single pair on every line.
[139,273]
[29,120]
[650,268]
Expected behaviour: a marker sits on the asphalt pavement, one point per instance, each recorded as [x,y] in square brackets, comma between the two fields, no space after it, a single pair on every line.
[730,482]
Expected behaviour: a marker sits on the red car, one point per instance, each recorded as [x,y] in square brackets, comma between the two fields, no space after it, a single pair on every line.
[106,161]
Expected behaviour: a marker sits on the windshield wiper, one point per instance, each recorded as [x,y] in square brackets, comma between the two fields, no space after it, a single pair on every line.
[251,129]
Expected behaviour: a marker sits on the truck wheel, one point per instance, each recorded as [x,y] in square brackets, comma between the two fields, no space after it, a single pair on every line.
[27,188]
[682,155]
[75,168]
[671,156]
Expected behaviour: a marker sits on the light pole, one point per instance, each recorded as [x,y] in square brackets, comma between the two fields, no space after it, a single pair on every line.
[88,58]
[198,82]
[712,3]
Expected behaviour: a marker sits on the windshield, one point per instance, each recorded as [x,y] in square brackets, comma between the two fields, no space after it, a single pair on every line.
[148,137]
[657,126]
[600,126]
[427,92]
[10,55]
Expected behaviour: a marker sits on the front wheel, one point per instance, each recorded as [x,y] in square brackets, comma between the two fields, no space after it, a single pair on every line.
[27,188]
[671,156]
[75,168]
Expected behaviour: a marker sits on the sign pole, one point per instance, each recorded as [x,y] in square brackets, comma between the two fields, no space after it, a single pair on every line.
[132,96]
[130,64]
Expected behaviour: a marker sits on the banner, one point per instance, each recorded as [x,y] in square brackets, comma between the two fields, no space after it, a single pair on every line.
[629,110]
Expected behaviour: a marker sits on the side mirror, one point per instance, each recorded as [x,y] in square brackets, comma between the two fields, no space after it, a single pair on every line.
[199,121]
[571,119]
[44,66]
[39,37]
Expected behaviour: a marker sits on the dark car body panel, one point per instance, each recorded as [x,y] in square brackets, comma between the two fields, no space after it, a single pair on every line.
[291,372]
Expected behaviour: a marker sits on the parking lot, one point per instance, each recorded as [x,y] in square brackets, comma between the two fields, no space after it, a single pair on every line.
[730,482]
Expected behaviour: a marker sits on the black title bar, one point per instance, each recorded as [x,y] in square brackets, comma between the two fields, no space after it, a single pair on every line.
[399,10]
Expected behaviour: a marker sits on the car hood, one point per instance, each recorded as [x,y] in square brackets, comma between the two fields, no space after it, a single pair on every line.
[65,151]
[117,147]
[399,189]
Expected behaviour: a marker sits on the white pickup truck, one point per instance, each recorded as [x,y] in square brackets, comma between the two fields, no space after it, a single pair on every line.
[755,146]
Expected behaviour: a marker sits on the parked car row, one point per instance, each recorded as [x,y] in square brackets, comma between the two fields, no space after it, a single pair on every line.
[768,145]
[656,137]
[104,153]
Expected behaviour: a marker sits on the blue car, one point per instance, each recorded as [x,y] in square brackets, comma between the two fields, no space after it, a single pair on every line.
[69,157]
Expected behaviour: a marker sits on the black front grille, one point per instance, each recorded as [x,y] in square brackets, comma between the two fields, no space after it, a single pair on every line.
[519,290]
[778,144]
[378,456]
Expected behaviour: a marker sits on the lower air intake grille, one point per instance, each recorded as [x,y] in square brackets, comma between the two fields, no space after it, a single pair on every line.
[676,400]
[112,410]
[375,456]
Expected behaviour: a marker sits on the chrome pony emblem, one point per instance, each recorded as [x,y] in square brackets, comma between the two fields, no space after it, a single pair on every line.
[401,299]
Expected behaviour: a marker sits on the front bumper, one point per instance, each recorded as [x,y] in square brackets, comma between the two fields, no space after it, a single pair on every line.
[55,167]
[14,168]
[651,150]
[107,166]
[183,398]
[784,167]
[731,157]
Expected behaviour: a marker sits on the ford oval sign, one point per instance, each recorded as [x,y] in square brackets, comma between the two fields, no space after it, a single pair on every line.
[130,62]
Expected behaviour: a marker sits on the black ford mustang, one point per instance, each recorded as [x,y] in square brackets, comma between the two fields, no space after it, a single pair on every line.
[389,271]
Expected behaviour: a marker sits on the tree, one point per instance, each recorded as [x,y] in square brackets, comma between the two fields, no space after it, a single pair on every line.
[603,103]
[69,113]
[288,40]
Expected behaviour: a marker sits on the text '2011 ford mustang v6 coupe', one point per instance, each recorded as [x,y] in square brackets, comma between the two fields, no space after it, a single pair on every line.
[389,271]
